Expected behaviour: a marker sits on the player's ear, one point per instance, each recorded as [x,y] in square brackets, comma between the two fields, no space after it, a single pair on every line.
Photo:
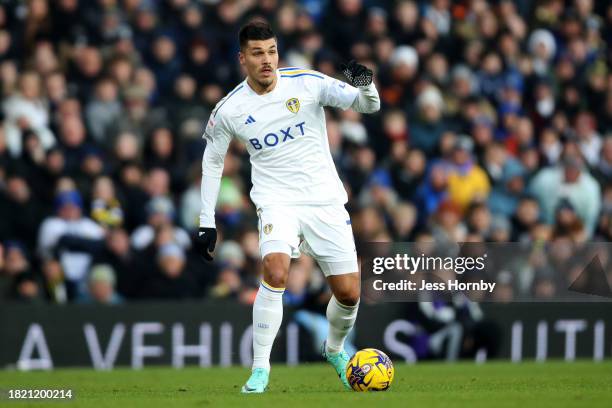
[241,57]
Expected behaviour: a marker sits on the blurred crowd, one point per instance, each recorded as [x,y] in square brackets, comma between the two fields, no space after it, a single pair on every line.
[496,125]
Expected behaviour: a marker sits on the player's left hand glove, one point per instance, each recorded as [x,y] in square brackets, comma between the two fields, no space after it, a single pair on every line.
[357,74]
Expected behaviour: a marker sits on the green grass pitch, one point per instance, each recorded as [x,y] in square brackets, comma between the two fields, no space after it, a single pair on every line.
[553,384]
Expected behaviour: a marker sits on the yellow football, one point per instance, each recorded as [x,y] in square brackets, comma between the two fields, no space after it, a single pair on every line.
[370,370]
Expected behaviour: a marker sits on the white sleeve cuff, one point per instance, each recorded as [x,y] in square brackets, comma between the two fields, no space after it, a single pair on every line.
[367,100]
[209,193]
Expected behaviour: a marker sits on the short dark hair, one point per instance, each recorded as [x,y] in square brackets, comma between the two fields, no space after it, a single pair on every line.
[255,30]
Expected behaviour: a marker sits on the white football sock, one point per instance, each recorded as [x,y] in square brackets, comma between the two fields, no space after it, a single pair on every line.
[341,319]
[267,318]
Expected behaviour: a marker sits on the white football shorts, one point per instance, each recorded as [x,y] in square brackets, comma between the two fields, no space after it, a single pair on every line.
[323,232]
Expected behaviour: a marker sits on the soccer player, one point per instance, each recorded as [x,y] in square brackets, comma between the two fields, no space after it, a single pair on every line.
[278,114]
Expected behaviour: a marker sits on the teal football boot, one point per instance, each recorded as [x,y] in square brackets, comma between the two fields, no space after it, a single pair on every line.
[339,362]
[257,383]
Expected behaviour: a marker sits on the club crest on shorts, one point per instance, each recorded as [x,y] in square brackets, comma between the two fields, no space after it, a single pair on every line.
[293,105]
[267,229]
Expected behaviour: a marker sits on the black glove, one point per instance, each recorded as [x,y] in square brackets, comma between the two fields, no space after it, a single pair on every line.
[357,74]
[205,241]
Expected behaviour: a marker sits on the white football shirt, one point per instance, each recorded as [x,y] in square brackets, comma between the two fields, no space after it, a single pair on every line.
[285,134]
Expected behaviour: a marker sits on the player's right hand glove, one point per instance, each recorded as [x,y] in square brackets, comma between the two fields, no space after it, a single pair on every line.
[205,241]
[357,74]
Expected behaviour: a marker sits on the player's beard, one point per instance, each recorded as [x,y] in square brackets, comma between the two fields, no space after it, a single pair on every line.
[264,83]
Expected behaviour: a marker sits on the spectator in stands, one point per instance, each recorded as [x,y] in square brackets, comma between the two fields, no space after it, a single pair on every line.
[407,171]
[27,288]
[26,109]
[428,124]
[161,151]
[160,212]
[190,201]
[569,181]
[228,284]
[14,263]
[368,224]
[73,140]
[131,186]
[567,224]
[103,110]
[479,219]
[69,220]
[92,167]
[173,277]
[137,116]
[22,209]
[86,69]
[432,191]
[404,222]
[446,225]
[49,174]
[101,286]
[20,281]
[398,82]
[589,140]
[105,206]
[54,281]
[509,186]
[379,191]
[164,63]
[603,171]
[467,181]
[157,182]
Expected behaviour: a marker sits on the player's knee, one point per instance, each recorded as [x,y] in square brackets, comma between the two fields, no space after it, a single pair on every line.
[275,270]
[348,296]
